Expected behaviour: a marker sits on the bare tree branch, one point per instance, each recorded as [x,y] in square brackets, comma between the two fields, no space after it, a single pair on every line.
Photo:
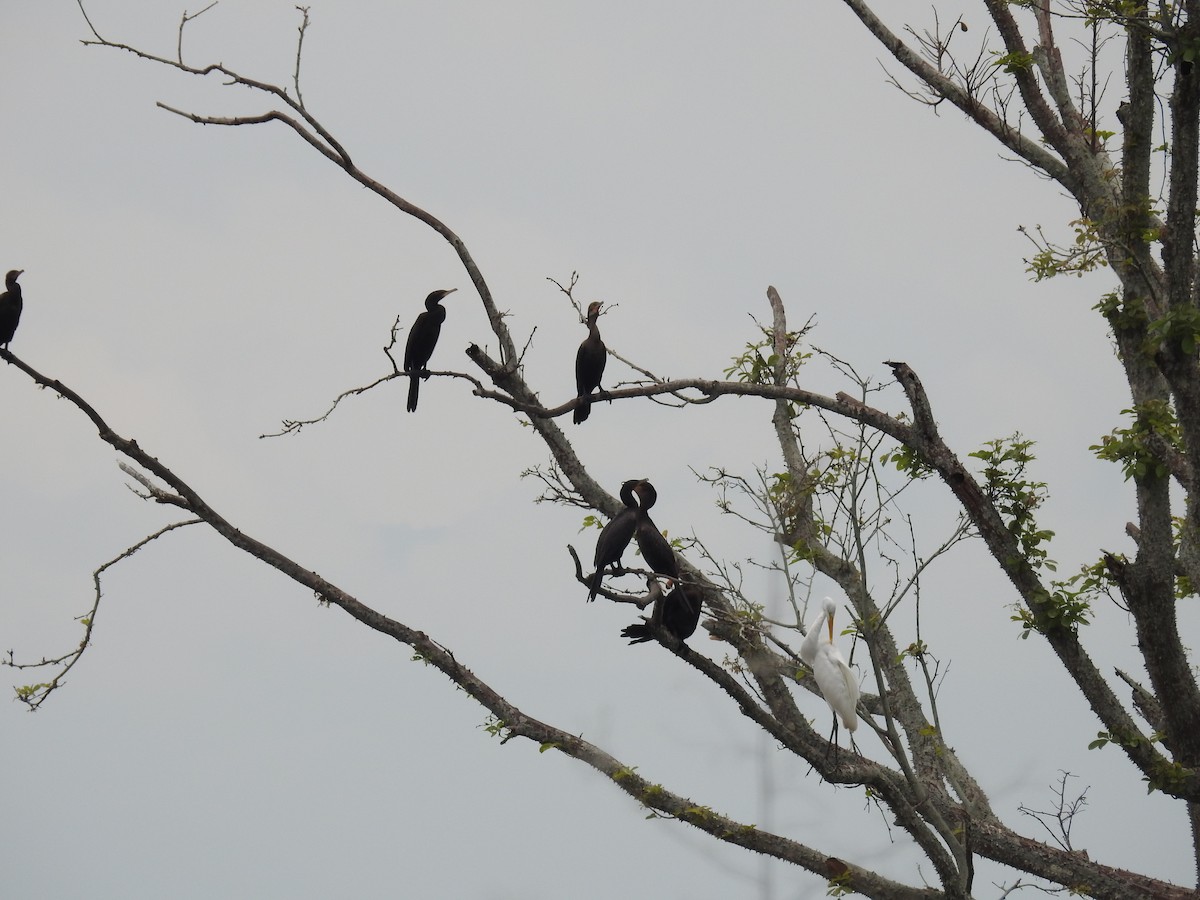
[34,695]
[843,532]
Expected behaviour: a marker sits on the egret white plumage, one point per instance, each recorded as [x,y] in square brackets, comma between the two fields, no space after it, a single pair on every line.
[836,682]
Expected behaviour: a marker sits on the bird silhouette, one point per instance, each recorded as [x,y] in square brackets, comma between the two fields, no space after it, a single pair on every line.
[656,549]
[10,307]
[678,612]
[615,536]
[589,364]
[422,338]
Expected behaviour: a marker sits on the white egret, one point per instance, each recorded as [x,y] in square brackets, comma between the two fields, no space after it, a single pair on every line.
[836,682]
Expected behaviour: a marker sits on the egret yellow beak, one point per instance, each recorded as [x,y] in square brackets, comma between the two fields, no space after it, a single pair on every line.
[830,621]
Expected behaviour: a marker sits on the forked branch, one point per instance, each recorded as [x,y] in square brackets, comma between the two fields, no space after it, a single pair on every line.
[512,722]
[34,695]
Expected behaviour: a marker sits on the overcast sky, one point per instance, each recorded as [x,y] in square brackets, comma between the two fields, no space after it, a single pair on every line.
[226,736]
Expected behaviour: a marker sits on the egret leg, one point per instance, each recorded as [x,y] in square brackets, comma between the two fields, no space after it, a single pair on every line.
[833,746]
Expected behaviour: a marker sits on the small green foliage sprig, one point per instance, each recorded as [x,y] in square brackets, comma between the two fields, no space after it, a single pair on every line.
[1133,447]
[1016,496]
[757,364]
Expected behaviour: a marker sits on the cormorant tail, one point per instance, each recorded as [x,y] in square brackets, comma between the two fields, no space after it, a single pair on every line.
[638,634]
[595,585]
[414,388]
[583,410]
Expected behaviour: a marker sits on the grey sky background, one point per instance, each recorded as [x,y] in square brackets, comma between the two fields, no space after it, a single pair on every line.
[226,736]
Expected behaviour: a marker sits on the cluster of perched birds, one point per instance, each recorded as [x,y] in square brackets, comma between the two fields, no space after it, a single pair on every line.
[425,331]
[677,611]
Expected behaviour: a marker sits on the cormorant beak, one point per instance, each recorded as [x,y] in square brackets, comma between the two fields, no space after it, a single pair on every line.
[449,292]
[20,271]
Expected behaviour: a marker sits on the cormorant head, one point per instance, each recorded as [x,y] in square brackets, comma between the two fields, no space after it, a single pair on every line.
[436,297]
[10,280]
[646,493]
[594,309]
[627,490]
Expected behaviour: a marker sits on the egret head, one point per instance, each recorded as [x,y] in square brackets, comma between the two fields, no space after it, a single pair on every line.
[830,610]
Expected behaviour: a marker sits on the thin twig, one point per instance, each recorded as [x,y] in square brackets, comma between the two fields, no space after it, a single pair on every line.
[299,50]
[187,17]
[34,695]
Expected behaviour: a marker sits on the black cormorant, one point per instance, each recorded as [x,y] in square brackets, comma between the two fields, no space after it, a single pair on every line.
[10,307]
[615,536]
[589,364]
[422,338]
[656,549]
[678,612]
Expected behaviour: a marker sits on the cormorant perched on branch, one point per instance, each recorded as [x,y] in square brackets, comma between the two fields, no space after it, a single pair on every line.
[656,549]
[10,307]
[589,364]
[678,612]
[615,536]
[422,338]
